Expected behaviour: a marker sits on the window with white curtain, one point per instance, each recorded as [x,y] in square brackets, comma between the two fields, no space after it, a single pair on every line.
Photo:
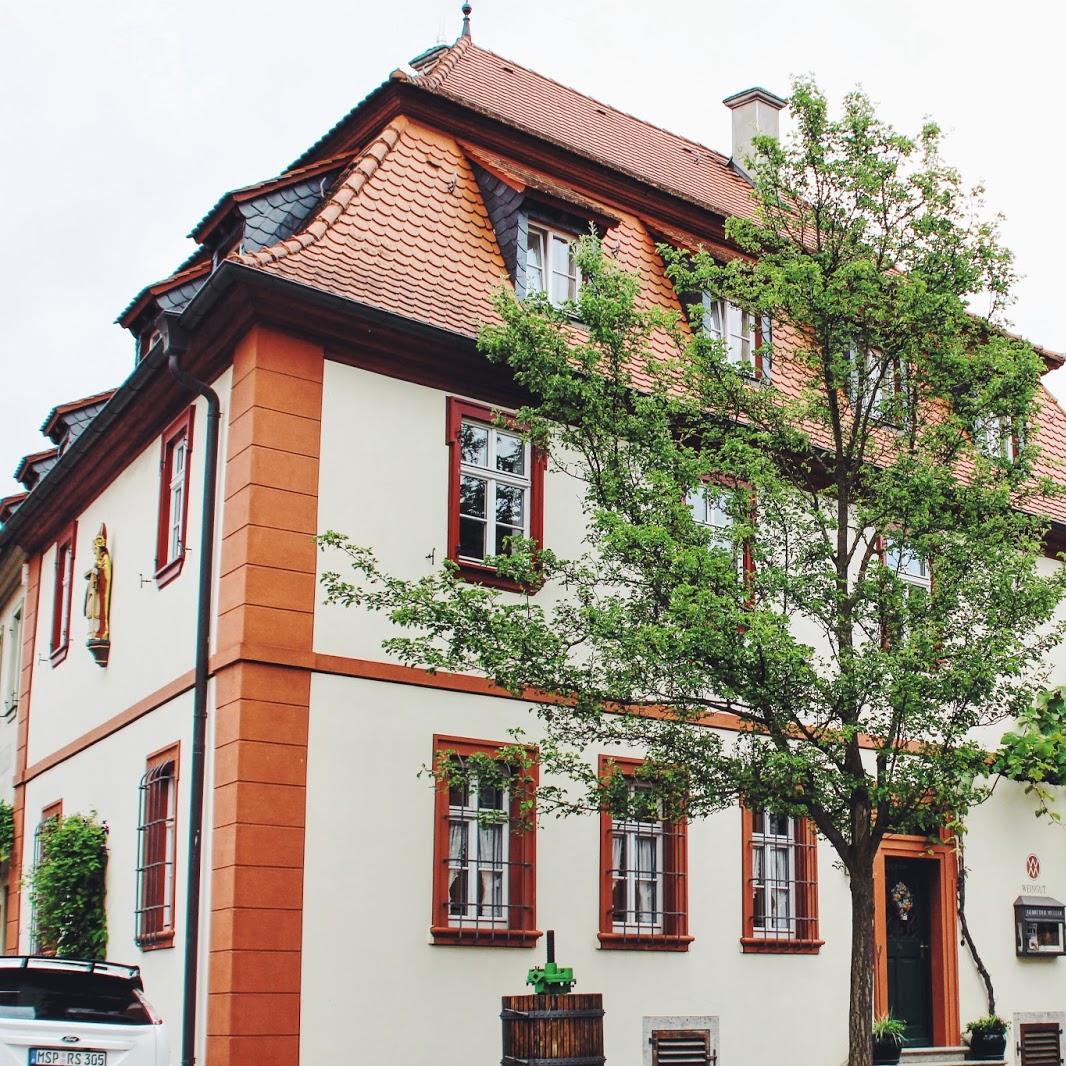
[637,890]
[478,836]
[773,874]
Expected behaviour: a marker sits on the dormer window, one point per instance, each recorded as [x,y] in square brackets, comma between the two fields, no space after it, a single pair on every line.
[746,335]
[994,436]
[878,380]
[551,264]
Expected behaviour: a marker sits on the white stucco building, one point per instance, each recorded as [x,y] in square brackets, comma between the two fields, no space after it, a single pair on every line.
[333,312]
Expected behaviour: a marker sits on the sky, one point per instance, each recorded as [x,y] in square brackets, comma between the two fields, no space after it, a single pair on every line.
[123,121]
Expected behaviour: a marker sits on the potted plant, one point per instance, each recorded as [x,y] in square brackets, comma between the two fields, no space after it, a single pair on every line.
[888,1039]
[988,1038]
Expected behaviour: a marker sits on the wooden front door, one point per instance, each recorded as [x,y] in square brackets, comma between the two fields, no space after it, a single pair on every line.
[908,912]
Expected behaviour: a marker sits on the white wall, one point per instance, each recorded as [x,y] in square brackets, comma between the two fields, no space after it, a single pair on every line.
[105,778]
[367,896]
[384,482]
[152,629]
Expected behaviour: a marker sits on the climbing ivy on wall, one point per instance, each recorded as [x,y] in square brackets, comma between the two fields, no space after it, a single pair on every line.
[1034,753]
[7,830]
[67,887]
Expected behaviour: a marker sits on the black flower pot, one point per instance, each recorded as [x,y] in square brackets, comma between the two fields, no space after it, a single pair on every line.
[986,1047]
[887,1050]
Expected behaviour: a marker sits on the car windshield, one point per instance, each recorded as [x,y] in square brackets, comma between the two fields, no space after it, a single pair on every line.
[66,995]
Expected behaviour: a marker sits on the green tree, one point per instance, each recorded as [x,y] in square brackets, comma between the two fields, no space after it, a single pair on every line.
[67,887]
[876,448]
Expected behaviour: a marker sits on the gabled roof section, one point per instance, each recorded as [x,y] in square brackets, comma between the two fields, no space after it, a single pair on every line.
[34,467]
[170,294]
[10,504]
[65,423]
[237,197]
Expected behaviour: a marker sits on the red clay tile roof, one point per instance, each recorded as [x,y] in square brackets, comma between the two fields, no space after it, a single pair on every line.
[405,231]
[499,87]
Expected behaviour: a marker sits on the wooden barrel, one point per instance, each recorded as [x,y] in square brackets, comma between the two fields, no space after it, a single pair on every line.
[553,1030]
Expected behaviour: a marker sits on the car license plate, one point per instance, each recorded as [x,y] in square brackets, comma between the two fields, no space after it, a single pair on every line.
[48,1056]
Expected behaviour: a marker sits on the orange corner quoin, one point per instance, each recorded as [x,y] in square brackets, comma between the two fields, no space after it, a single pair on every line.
[266,597]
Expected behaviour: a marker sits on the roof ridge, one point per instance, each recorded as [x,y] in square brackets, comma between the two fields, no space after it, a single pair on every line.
[443,67]
[577,92]
[363,167]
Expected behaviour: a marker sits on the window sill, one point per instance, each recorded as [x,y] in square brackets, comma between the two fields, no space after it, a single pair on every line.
[485,938]
[488,575]
[644,941]
[165,574]
[758,946]
[156,941]
[57,655]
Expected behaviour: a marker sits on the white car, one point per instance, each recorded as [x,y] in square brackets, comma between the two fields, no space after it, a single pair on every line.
[65,1012]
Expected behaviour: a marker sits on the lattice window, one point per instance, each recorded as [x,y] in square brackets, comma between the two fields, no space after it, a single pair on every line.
[781,881]
[643,871]
[156,837]
[484,852]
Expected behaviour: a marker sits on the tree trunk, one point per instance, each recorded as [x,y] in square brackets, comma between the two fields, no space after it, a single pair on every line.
[860,1013]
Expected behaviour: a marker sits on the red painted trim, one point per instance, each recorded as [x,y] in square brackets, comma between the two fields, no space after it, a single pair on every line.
[675,878]
[60,642]
[522,885]
[168,569]
[457,410]
[105,729]
[944,955]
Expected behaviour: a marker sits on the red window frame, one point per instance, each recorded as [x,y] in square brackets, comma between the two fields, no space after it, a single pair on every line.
[521,930]
[674,935]
[805,940]
[157,832]
[457,410]
[166,569]
[62,596]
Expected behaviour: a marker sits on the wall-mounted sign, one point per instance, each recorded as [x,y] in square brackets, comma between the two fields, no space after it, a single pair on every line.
[1032,867]
[1040,926]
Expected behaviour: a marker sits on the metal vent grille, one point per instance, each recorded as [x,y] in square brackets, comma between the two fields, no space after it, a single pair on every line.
[682,1047]
[1040,1044]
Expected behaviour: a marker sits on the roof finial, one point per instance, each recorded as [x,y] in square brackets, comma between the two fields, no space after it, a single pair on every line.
[466,19]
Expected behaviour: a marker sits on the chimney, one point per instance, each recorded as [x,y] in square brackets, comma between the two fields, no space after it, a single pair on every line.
[755,112]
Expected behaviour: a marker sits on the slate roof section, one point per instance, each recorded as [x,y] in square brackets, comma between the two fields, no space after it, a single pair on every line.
[281,212]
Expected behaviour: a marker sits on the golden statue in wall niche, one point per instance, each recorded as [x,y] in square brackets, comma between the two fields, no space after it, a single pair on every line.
[98,600]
